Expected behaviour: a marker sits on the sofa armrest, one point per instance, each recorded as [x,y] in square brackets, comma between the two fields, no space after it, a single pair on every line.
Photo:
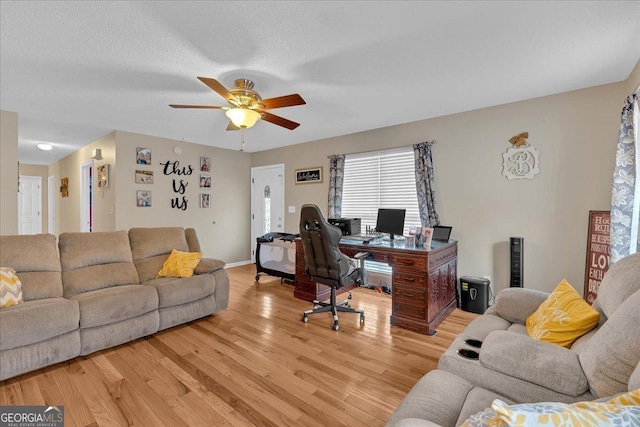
[516,304]
[208,265]
[547,365]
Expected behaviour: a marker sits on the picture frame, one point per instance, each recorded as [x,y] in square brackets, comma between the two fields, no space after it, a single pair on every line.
[205,164]
[143,198]
[64,187]
[143,156]
[205,181]
[144,177]
[205,200]
[103,176]
[311,175]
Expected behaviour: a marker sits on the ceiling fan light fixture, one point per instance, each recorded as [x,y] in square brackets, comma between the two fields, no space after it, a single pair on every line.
[243,117]
[45,146]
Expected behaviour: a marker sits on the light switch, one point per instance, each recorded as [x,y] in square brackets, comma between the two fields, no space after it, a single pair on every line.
[292,209]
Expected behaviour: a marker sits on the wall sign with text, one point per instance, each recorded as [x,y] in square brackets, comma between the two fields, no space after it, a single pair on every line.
[309,175]
[598,241]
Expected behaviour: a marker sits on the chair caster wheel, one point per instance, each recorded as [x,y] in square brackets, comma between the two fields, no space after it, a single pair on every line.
[335,327]
[349,297]
[362,318]
[257,278]
[305,319]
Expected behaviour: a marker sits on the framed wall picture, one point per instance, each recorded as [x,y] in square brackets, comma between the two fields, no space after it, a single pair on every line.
[309,175]
[103,176]
[143,156]
[205,164]
[205,200]
[144,177]
[598,242]
[143,198]
[205,181]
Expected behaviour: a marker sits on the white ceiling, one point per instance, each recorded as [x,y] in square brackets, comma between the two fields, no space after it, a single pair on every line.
[76,70]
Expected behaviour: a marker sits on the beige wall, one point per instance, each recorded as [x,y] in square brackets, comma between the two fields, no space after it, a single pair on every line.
[68,208]
[9,172]
[223,229]
[43,172]
[576,133]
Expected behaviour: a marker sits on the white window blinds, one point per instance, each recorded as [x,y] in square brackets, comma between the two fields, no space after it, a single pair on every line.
[384,179]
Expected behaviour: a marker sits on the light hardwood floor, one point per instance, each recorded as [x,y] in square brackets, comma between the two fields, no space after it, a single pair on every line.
[254,363]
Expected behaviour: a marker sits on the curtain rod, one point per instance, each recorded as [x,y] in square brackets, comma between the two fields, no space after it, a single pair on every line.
[378,151]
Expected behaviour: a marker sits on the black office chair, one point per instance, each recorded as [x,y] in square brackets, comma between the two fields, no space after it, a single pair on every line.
[325,263]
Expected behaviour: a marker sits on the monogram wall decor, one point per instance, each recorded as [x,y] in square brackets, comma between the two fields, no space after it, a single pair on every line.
[522,160]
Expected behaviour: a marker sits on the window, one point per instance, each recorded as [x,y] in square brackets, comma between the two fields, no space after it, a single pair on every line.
[384,179]
[267,209]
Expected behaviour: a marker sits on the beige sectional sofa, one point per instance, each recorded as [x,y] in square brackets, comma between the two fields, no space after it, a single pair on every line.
[99,291]
[517,369]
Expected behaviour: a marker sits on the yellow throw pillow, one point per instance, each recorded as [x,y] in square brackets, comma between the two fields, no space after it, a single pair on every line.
[562,318]
[621,411]
[10,288]
[180,264]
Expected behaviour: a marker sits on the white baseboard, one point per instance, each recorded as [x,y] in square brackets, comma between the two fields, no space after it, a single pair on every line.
[238,264]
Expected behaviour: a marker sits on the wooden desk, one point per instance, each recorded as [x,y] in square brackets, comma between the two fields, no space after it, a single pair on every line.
[423,289]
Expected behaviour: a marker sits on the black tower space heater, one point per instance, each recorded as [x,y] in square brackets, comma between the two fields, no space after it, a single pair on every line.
[517,258]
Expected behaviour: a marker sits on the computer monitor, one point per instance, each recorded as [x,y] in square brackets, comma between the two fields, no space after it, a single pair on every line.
[391,221]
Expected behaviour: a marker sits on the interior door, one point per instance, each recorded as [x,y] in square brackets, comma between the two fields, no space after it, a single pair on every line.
[86,196]
[30,205]
[267,202]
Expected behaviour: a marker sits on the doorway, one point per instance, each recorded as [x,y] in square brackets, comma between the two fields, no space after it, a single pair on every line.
[86,196]
[30,205]
[51,203]
[267,202]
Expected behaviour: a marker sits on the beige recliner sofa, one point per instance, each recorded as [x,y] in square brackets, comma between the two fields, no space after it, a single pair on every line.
[99,292]
[518,369]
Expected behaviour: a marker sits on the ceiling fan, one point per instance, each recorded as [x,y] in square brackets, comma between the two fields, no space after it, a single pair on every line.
[246,105]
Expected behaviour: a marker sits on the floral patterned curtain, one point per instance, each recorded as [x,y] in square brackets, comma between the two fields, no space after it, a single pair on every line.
[625,196]
[336,180]
[425,184]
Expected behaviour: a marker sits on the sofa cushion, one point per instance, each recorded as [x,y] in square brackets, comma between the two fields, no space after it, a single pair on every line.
[482,326]
[438,397]
[23,324]
[40,276]
[620,282]
[115,304]
[553,367]
[180,264]
[516,304]
[93,261]
[10,288]
[151,247]
[478,400]
[562,318]
[612,353]
[176,291]
[209,265]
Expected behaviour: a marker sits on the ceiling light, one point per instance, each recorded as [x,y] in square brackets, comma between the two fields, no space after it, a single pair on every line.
[45,147]
[243,117]
[97,154]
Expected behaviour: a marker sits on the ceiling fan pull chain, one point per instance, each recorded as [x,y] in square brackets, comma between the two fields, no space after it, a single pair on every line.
[242,139]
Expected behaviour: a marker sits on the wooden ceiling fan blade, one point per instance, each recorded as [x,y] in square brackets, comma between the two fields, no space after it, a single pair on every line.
[282,101]
[208,107]
[280,121]
[231,126]
[217,87]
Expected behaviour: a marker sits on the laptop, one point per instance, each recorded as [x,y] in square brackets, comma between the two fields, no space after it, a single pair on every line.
[441,233]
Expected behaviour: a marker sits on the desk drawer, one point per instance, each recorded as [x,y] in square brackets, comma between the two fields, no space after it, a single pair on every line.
[402,278]
[409,310]
[405,294]
[408,261]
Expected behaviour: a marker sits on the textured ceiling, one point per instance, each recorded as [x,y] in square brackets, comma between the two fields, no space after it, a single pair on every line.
[76,70]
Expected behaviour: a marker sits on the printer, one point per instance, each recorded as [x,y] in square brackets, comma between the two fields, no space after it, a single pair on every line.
[348,226]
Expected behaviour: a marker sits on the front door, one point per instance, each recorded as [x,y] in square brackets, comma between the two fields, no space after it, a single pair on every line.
[267,202]
[29,205]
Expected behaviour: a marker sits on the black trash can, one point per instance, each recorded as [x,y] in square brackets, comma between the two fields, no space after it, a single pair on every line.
[474,294]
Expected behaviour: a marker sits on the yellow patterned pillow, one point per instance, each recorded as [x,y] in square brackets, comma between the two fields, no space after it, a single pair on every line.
[620,411]
[10,288]
[562,318]
[180,264]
